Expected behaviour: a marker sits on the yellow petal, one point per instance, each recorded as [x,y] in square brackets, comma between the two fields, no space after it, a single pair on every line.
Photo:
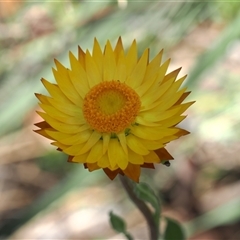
[94,138]
[42,98]
[74,149]
[93,74]
[173,89]
[162,70]
[177,118]
[116,151]
[69,109]
[182,98]
[145,122]
[172,74]
[154,89]
[96,153]
[136,77]
[98,56]
[80,158]
[135,145]
[78,84]
[150,75]
[156,116]
[135,158]
[62,127]
[109,64]
[153,66]
[152,157]
[152,145]
[152,133]
[81,56]
[55,92]
[70,139]
[103,162]
[172,121]
[106,139]
[43,133]
[121,69]
[78,76]
[118,49]
[59,145]
[163,104]
[65,84]
[168,139]
[123,141]
[58,135]
[116,154]
[181,132]
[60,116]
[152,96]
[131,57]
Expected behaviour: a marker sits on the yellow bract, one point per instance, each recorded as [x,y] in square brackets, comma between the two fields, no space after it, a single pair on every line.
[114,110]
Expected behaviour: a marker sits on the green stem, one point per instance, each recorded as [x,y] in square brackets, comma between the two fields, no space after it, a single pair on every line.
[141,205]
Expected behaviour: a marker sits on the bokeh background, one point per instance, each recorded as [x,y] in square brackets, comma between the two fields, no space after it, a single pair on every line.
[44,197]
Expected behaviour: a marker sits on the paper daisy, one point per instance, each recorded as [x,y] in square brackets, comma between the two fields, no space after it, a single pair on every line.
[113,110]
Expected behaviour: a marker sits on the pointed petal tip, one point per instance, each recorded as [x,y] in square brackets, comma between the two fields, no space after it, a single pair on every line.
[80,51]
[95,41]
[163,154]
[148,165]
[36,124]
[111,174]
[119,39]
[179,69]
[42,125]
[70,54]
[39,113]
[119,42]
[55,61]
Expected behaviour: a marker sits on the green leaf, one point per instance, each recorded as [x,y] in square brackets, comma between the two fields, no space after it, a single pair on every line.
[173,231]
[119,225]
[145,193]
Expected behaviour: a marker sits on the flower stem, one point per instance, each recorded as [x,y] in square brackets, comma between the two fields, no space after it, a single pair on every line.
[141,205]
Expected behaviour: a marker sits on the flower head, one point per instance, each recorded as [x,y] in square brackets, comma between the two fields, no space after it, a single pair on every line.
[113,110]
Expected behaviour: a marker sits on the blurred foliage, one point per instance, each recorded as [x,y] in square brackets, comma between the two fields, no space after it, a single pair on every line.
[54,162]
[33,33]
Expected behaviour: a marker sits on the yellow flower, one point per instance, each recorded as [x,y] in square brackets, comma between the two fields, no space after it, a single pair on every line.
[113,110]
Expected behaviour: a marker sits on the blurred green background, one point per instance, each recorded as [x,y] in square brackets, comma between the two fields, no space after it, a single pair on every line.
[43,196]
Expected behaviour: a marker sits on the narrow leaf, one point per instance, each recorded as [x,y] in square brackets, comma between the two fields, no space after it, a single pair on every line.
[145,193]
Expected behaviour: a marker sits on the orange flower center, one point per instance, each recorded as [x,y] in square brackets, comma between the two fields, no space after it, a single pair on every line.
[110,107]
